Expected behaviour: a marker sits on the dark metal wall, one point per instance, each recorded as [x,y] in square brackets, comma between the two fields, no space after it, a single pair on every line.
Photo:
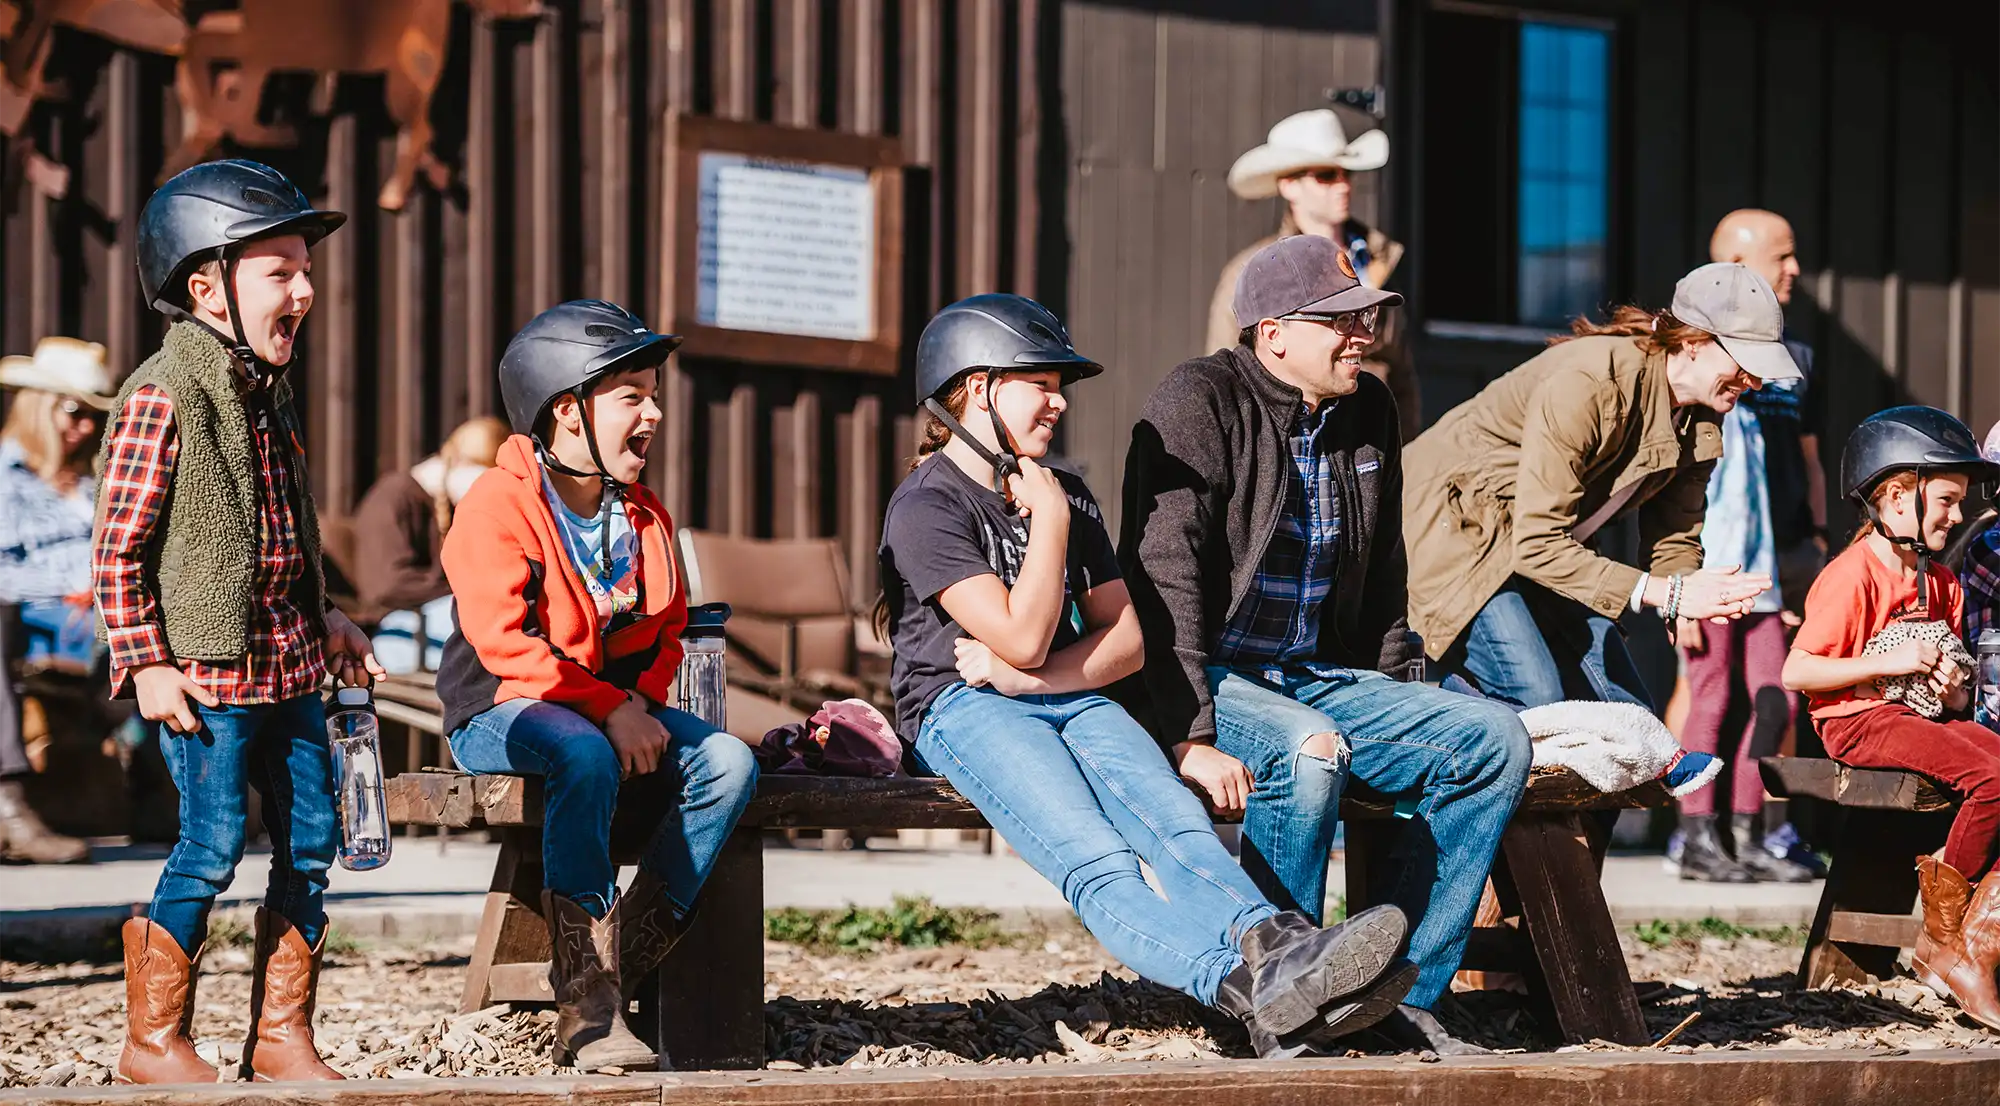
[1875,130]
[557,128]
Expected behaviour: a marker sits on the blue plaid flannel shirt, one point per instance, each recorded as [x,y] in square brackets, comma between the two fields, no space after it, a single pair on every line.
[1980,577]
[1278,624]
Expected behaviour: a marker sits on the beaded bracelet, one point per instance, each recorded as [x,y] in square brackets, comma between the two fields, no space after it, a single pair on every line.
[1680,593]
[1673,605]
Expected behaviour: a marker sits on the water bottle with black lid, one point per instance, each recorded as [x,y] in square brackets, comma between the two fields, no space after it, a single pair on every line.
[356,740]
[1987,653]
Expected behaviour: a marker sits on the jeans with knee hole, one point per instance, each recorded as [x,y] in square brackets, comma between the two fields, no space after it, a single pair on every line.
[1084,795]
[282,749]
[710,777]
[1465,758]
[1530,647]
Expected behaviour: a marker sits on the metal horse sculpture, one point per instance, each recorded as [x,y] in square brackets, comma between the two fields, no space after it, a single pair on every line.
[402,39]
[26,31]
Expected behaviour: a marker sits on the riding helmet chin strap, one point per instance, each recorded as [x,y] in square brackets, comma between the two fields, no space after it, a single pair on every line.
[236,343]
[1916,545]
[1004,461]
[613,490]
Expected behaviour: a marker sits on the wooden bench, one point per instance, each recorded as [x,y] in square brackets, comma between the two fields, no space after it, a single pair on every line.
[1883,821]
[705,1010]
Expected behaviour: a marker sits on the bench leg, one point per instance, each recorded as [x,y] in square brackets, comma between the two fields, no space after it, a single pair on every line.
[1873,872]
[511,929]
[1552,866]
[709,995]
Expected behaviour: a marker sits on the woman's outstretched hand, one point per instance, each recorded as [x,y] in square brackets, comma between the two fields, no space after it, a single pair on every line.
[1721,594]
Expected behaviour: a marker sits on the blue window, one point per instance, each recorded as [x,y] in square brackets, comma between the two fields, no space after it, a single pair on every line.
[1564,172]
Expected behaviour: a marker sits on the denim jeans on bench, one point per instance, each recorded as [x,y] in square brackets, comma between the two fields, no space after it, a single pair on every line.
[1084,794]
[710,775]
[1529,647]
[282,748]
[1467,757]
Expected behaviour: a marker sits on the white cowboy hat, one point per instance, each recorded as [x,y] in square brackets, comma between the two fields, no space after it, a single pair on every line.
[1309,140]
[66,366]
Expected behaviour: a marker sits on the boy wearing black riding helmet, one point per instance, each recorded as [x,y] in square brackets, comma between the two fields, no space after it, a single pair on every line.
[1899,702]
[206,568]
[569,621]
[1009,616]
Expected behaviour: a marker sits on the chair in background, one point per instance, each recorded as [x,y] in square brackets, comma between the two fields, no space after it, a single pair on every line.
[794,636]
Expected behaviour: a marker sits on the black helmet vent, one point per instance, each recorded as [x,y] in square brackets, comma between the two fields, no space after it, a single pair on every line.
[257,197]
[600,330]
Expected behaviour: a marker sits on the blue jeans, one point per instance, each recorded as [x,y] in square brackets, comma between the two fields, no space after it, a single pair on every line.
[1530,647]
[1469,759]
[711,775]
[282,749]
[1084,794]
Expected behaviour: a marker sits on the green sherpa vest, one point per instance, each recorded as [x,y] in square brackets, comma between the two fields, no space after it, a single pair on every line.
[203,561]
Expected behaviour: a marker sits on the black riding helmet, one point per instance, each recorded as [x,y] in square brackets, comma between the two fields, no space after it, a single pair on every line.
[566,350]
[209,213]
[995,333]
[1916,439]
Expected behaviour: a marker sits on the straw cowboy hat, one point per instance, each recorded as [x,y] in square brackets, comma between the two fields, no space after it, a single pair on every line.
[66,366]
[1309,140]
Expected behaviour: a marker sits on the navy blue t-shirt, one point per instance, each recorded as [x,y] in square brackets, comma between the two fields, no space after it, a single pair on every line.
[942,528]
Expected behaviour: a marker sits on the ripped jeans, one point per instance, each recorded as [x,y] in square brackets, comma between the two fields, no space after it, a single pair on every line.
[1465,760]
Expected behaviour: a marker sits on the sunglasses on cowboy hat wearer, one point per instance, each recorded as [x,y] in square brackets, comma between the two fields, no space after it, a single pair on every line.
[1309,142]
[67,367]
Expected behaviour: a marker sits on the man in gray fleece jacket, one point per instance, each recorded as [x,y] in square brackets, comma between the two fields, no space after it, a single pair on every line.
[1263,547]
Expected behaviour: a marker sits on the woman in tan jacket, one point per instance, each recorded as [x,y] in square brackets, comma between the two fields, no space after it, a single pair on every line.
[1504,496]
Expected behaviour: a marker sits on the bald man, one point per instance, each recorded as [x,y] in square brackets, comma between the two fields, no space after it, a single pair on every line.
[1790,415]
[1767,512]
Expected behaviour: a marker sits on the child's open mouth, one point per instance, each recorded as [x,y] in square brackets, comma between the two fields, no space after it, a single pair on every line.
[638,444]
[288,327]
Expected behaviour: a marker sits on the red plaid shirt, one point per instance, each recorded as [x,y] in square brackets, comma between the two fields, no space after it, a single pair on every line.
[283,658]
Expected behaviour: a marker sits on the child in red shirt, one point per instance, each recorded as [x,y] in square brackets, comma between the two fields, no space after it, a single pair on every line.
[1909,468]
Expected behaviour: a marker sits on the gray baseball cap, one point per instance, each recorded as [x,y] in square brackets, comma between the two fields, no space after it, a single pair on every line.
[1302,275]
[1736,305]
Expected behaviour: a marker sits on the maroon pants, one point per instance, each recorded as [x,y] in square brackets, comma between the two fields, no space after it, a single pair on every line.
[1964,756]
[1751,648]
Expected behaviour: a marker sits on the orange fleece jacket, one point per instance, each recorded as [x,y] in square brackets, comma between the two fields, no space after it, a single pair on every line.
[527,614]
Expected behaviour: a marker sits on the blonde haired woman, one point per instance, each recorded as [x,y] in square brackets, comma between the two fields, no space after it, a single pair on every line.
[398,530]
[54,415]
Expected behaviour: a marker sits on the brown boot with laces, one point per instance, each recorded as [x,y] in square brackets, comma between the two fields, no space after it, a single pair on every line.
[283,992]
[159,1006]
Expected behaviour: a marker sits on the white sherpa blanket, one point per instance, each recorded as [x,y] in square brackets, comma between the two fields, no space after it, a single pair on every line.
[1613,746]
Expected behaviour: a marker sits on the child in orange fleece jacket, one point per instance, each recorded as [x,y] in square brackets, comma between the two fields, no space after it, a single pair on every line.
[569,613]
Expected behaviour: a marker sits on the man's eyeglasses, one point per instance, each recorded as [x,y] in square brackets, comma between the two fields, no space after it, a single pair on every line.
[1345,323]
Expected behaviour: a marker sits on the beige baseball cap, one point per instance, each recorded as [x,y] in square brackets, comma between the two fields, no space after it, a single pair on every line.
[1736,305]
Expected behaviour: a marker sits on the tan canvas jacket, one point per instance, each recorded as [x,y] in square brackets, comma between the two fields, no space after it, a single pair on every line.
[1496,488]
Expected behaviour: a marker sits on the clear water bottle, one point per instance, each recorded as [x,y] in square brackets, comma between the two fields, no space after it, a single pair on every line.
[1987,707]
[356,740]
[701,687]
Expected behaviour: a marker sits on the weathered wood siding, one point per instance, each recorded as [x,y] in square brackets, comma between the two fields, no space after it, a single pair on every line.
[557,127]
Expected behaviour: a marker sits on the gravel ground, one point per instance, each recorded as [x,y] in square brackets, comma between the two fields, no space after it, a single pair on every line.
[389,1010]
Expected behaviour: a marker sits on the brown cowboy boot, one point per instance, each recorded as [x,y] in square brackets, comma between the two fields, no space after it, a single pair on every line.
[1981,936]
[159,1005]
[283,991]
[647,931]
[590,1027]
[1945,960]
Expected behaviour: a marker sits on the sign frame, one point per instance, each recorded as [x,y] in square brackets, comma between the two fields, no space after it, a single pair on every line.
[689,137]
